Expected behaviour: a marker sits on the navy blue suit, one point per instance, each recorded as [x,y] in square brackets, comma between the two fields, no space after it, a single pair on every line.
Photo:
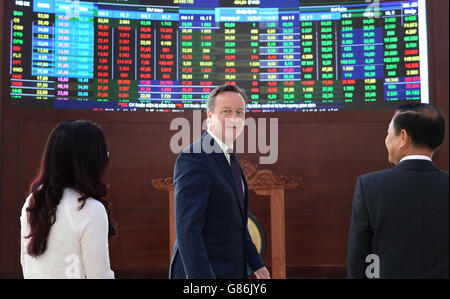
[212,236]
[401,215]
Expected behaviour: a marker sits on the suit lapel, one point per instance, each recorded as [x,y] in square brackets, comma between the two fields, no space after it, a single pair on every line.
[220,158]
[246,195]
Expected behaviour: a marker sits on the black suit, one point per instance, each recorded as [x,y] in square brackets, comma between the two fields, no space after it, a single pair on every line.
[213,240]
[401,215]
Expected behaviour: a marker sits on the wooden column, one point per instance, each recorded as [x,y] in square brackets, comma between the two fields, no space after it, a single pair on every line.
[172,229]
[277,230]
[262,182]
[277,221]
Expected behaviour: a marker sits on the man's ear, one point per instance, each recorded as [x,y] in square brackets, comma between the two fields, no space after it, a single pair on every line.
[406,139]
[208,118]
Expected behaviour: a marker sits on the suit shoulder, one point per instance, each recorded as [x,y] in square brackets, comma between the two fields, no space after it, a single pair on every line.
[443,177]
[444,173]
[373,179]
[376,174]
[194,148]
[193,156]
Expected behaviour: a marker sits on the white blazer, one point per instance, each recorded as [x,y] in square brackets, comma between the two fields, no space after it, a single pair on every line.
[77,245]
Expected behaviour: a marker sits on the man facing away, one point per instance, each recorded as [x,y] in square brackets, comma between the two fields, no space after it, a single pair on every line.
[400,216]
[211,199]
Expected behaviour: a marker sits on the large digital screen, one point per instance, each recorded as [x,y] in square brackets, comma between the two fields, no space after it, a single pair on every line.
[289,55]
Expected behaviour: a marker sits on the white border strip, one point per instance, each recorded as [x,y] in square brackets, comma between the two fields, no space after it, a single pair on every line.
[423,53]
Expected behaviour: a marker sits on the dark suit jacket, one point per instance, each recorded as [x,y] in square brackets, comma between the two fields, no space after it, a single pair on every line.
[401,215]
[212,236]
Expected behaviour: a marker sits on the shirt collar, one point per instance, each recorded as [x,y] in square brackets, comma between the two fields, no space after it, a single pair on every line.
[226,149]
[415,157]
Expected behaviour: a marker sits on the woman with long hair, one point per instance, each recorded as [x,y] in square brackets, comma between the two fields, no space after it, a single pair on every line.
[65,222]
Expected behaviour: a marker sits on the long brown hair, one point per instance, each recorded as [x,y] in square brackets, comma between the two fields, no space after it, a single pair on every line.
[75,156]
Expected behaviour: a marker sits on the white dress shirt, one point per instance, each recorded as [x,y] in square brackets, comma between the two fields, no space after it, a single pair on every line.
[225,148]
[416,157]
[77,245]
[226,151]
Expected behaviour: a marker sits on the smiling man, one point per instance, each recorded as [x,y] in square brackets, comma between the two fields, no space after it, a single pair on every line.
[212,198]
[401,215]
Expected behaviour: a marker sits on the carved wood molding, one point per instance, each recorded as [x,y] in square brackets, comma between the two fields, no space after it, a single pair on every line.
[165,184]
[263,179]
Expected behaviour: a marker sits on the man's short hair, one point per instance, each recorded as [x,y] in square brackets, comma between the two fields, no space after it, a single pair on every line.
[424,123]
[211,103]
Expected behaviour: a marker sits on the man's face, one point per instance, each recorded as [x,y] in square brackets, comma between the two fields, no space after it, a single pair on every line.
[227,120]
[393,143]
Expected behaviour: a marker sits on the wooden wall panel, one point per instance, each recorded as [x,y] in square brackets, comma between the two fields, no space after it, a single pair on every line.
[439,67]
[32,138]
[9,253]
[328,150]
[317,236]
[1,93]
[146,156]
[142,241]
[329,157]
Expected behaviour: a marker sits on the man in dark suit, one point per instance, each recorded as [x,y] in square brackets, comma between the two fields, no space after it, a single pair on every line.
[400,216]
[211,199]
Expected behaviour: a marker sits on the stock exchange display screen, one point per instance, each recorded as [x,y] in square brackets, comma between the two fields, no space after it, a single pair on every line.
[289,55]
